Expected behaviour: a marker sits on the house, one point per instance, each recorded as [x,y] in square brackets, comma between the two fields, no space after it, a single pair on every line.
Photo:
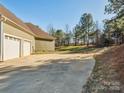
[18,39]
[43,41]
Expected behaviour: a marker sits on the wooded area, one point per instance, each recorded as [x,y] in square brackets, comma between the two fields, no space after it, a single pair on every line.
[87,31]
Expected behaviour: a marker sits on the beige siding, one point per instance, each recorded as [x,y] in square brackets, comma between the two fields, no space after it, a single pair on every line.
[18,33]
[42,45]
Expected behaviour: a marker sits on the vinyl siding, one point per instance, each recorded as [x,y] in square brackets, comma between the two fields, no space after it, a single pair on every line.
[42,45]
[18,33]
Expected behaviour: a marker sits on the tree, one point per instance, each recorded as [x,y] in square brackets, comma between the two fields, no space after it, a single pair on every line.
[68,35]
[86,24]
[114,28]
[117,23]
[115,6]
[59,37]
[51,30]
[77,34]
[97,34]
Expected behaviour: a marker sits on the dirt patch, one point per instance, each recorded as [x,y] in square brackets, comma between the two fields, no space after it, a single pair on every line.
[107,76]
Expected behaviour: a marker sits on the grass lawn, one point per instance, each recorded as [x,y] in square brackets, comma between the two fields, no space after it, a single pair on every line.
[72,49]
[77,49]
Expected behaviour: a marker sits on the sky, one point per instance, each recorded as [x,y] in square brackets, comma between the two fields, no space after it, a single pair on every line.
[57,13]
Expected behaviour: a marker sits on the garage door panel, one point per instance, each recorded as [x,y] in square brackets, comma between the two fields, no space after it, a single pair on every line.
[11,48]
[27,48]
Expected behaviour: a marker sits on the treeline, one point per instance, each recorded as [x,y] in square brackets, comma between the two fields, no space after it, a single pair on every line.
[87,31]
[63,37]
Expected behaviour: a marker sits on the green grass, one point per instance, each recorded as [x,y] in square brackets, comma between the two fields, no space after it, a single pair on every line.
[77,49]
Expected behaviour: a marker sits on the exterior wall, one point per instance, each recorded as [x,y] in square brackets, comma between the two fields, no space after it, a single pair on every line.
[1,40]
[42,45]
[18,33]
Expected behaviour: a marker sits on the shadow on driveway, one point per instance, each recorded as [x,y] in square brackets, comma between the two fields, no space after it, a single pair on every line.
[56,76]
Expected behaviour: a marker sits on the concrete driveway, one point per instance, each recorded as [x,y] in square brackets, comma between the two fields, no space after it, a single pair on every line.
[48,73]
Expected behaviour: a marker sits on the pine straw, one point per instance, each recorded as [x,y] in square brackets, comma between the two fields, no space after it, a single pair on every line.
[114,58]
[109,70]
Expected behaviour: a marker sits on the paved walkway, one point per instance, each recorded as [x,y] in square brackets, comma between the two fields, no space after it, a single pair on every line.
[49,73]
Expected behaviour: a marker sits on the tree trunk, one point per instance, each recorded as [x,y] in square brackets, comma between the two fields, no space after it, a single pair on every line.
[75,42]
[84,40]
[88,39]
[97,39]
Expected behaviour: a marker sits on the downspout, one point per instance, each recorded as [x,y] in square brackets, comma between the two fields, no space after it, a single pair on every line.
[1,39]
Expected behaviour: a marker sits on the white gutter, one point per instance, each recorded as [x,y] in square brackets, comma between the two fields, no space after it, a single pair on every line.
[26,31]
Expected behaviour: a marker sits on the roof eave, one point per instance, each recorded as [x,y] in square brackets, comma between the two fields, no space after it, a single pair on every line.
[40,38]
[10,22]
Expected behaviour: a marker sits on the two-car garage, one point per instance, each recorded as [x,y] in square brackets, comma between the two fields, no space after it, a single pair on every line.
[19,39]
[15,47]
[16,38]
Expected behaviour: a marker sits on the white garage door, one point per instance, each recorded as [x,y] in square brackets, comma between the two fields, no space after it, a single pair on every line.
[11,47]
[26,48]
